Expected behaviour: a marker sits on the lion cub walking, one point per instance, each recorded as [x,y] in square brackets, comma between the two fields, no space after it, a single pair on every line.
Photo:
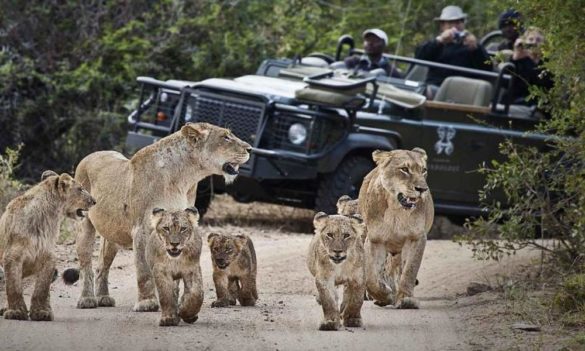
[234,269]
[28,230]
[173,252]
[336,257]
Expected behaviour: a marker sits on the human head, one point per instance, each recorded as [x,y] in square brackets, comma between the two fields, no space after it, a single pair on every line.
[375,41]
[510,23]
[452,17]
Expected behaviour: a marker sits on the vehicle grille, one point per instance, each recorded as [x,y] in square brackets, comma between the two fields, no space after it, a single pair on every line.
[242,117]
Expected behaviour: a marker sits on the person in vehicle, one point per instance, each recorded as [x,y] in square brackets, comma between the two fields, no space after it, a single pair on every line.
[453,46]
[375,42]
[527,58]
[510,23]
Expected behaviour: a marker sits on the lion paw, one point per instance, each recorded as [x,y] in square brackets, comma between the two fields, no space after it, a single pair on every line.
[87,302]
[189,319]
[16,315]
[106,301]
[383,303]
[41,315]
[329,325]
[352,322]
[408,303]
[169,321]
[148,305]
[248,302]
[221,303]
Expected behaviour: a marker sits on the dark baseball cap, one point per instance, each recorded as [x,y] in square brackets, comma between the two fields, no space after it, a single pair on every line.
[509,16]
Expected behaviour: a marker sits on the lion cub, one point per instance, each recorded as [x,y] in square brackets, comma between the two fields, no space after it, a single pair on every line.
[234,269]
[336,257]
[28,230]
[173,252]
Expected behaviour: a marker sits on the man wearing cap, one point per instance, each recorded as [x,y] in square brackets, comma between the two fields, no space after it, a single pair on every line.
[375,41]
[510,23]
[454,46]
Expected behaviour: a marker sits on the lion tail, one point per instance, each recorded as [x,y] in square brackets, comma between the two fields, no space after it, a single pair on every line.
[70,276]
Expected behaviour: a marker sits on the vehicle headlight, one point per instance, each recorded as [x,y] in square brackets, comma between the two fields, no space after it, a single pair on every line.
[297,133]
[188,113]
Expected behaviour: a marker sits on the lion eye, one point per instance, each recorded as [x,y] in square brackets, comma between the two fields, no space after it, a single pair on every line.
[183,229]
[227,138]
[166,229]
[330,235]
[404,170]
[346,236]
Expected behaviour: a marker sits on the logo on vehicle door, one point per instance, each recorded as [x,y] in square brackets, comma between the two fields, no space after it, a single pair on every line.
[444,144]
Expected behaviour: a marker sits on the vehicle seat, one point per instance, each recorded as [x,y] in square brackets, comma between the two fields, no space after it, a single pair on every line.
[314,61]
[417,73]
[465,91]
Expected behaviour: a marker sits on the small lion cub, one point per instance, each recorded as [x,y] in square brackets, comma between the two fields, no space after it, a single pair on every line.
[28,230]
[234,269]
[172,253]
[336,257]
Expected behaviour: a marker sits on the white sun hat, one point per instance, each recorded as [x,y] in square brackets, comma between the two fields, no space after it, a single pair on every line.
[451,13]
[377,32]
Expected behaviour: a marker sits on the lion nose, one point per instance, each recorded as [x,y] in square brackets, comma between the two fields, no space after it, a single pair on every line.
[338,252]
[174,244]
[92,201]
[420,189]
[249,149]
[220,261]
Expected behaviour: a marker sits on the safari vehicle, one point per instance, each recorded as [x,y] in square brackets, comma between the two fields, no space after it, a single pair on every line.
[313,127]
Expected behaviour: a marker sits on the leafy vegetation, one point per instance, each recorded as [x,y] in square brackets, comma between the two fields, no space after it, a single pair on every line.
[68,68]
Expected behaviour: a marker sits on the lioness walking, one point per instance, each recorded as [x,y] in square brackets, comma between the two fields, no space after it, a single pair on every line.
[164,174]
[28,230]
[398,212]
[336,257]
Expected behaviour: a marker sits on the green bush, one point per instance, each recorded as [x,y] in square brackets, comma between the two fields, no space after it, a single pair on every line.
[9,186]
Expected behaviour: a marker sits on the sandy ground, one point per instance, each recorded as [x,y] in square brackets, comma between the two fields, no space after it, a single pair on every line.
[286,316]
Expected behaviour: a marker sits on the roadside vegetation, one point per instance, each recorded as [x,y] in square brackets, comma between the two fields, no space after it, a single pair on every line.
[546,191]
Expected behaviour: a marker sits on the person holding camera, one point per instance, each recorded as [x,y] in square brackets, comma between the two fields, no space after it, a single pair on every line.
[527,58]
[375,42]
[453,46]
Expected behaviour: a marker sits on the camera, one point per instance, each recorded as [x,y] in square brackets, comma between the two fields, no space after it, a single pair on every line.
[526,46]
[458,36]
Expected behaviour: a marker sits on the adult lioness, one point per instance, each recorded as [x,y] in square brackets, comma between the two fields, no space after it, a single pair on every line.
[164,174]
[28,230]
[397,207]
[336,257]
[173,253]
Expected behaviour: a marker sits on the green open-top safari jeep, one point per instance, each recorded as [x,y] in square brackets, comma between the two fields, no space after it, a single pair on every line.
[313,127]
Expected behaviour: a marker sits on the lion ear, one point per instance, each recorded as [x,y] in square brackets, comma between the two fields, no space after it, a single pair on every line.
[344,198]
[193,215]
[379,156]
[319,219]
[418,150]
[48,173]
[156,216]
[65,183]
[211,237]
[195,131]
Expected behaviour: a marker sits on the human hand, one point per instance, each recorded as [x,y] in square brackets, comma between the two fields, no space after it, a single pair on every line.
[447,36]
[520,50]
[470,41]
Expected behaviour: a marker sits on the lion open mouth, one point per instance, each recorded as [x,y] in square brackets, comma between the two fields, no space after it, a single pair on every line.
[174,252]
[230,168]
[337,259]
[407,202]
[81,212]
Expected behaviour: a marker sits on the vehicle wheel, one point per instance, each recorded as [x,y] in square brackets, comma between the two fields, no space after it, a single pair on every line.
[345,180]
[204,194]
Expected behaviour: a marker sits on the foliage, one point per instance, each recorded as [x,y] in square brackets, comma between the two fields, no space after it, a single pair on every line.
[545,191]
[9,187]
[68,67]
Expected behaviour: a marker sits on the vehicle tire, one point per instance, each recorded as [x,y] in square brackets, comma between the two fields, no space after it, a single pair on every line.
[345,180]
[204,194]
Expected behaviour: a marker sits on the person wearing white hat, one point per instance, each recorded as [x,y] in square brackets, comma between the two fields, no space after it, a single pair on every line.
[375,41]
[454,46]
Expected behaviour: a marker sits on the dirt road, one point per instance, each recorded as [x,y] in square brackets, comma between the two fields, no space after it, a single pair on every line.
[286,317]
